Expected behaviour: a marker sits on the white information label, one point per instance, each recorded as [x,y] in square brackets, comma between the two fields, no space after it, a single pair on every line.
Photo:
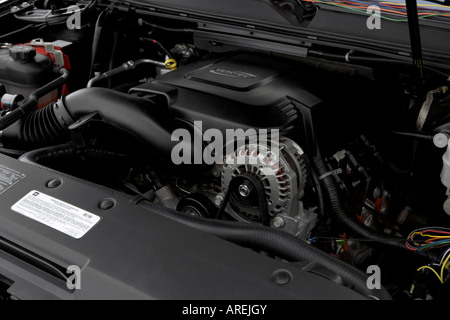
[56,214]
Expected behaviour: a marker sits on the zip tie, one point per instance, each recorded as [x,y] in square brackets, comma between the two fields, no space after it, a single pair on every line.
[332,172]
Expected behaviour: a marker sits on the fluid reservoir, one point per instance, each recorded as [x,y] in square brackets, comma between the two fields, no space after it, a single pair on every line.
[22,71]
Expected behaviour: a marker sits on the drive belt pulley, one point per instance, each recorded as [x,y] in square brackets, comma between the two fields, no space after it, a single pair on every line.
[247,189]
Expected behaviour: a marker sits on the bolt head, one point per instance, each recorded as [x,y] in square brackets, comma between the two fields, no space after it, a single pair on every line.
[218,200]
[244,190]
[278,222]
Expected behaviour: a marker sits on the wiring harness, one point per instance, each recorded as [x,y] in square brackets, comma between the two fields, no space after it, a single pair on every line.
[429,238]
[391,11]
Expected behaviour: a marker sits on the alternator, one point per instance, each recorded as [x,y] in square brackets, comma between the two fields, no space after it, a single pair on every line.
[282,180]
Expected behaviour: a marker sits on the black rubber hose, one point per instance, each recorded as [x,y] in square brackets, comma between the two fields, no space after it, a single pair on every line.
[355,227]
[42,155]
[126,66]
[151,125]
[32,101]
[34,157]
[41,127]
[275,242]
[253,236]
[67,151]
[11,152]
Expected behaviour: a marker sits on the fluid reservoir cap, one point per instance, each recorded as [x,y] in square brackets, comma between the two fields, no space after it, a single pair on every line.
[22,53]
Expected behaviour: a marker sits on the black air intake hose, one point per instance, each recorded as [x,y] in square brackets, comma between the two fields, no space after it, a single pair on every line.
[37,129]
[59,152]
[356,228]
[32,100]
[149,123]
[63,152]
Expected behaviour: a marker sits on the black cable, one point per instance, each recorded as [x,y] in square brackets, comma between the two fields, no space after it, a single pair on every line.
[96,38]
[414,38]
[419,136]
[319,193]
[159,44]
[89,6]
[30,26]
[5,14]
[114,49]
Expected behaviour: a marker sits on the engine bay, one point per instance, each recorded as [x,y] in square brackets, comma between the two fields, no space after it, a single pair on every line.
[348,156]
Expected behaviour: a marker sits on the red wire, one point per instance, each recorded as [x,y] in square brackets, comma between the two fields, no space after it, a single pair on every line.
[428,241]
[437,231]
[410,248]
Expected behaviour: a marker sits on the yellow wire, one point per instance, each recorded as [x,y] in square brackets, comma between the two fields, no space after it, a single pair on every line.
[429,235]
[441,276]
[432,236]
[443,267]
[437,275]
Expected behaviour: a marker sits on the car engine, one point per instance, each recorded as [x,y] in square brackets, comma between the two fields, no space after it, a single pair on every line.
[347,156]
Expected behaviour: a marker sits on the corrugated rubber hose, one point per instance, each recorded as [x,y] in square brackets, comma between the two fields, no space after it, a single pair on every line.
[355,227]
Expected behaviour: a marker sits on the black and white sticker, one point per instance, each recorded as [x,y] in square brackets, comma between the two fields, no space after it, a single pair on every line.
[8,178]
[56,214]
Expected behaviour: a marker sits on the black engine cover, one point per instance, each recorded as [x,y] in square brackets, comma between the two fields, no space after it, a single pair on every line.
[240,91]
